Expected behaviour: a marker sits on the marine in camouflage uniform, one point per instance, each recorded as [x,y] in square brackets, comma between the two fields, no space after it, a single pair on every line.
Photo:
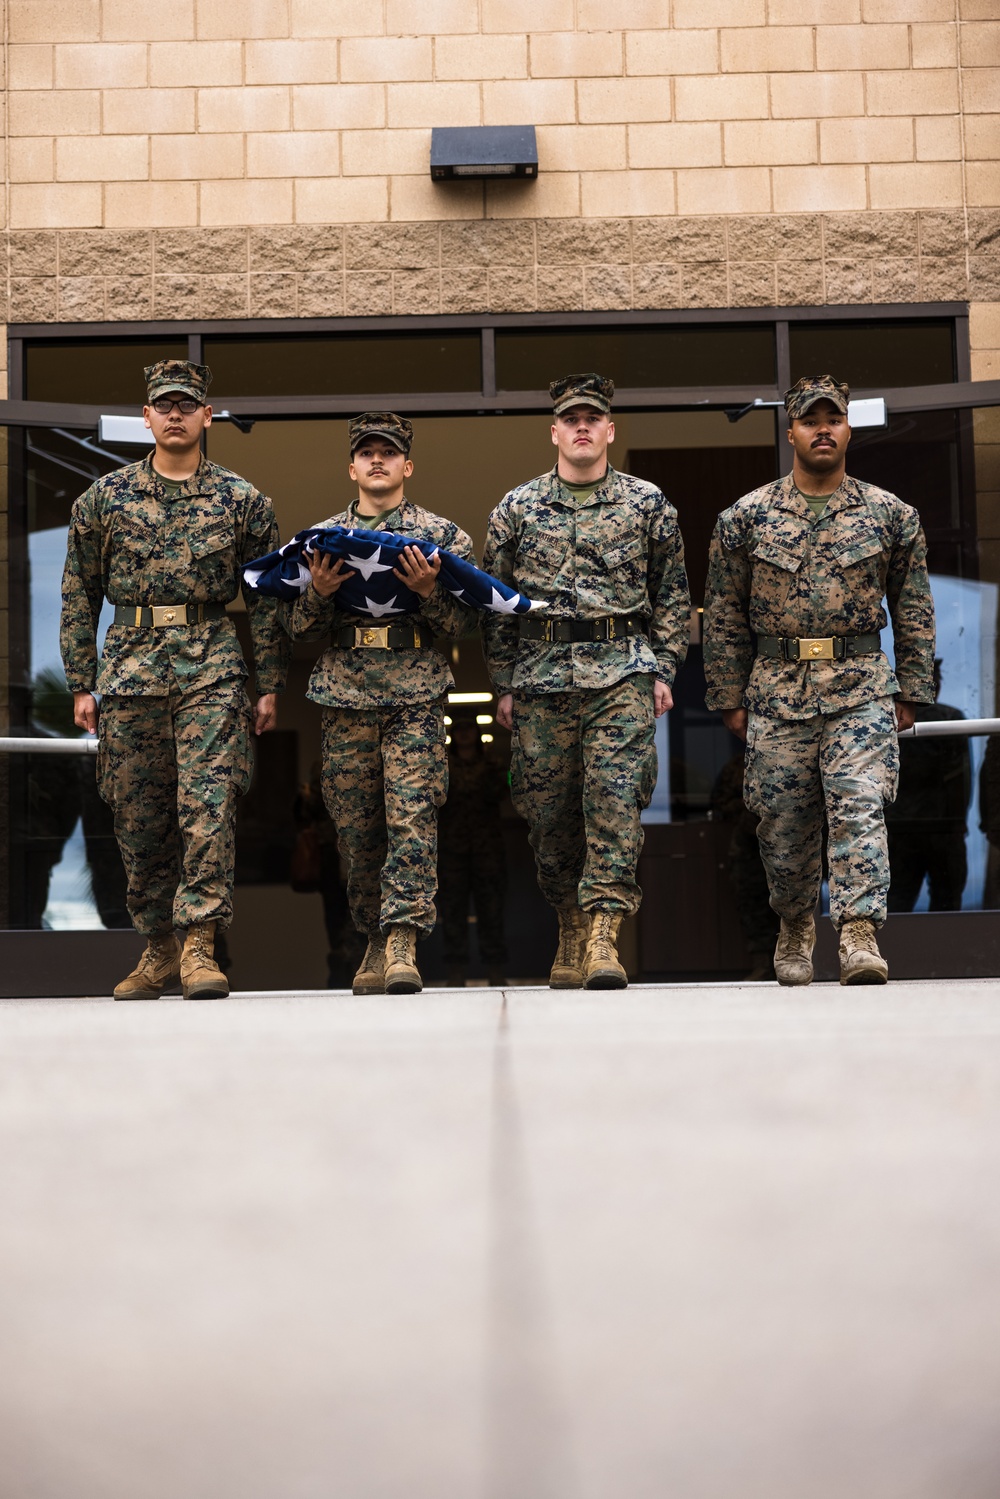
[175,721]
[382,691]
[803,571]
[603,551]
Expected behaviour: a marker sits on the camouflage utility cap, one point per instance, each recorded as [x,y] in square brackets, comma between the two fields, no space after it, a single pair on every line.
[396,429]
[812,388]
[177,374]
[581,390]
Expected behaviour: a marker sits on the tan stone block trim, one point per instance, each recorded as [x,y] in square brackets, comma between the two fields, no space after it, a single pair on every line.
[510,265]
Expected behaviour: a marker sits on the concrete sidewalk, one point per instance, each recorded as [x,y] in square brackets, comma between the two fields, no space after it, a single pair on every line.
[676,1243]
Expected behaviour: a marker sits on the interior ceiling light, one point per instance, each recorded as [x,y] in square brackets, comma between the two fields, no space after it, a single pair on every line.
[483,151]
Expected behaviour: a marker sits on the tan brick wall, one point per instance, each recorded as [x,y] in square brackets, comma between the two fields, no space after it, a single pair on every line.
[305,111]
[694,153]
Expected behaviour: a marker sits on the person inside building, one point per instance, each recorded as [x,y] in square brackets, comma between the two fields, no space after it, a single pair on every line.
[580,686]
[382,694]
[316,868]
[747,875]
[793,659]
[472,864]
[926,822]
[164,540]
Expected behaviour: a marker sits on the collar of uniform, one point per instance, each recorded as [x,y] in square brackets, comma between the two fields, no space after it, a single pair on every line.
[846,497]
[552,489]
[148,478]
[406,522]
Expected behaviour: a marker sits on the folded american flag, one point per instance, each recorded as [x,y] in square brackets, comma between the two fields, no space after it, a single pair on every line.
[371,557]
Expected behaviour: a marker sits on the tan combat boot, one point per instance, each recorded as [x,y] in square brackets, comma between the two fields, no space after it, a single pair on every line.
[567,967]
[860,960]
[402,976]
[793,956]
[201,976]
[158,967]
[370,977]
[602,968]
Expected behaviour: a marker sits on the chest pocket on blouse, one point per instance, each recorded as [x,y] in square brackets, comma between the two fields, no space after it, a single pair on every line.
[857,549]
[133,534]
[213,550]
[858,559]
[540,555]
[626,564]
[774,570]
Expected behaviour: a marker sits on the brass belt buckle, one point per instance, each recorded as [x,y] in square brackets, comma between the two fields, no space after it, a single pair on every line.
[816,650]
[168,614]
[373,635]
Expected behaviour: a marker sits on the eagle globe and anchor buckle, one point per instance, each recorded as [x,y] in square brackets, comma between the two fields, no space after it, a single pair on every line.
[165,614]
[820,648]
[372,635]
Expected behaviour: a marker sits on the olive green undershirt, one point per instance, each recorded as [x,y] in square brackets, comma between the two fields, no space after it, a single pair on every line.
[582,492]
[170,486]
[817,502]
[371,522]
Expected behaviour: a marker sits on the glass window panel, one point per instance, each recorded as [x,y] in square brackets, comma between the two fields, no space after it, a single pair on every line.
[345,365]
[924,457]
[870,355]
[64,869]
[528,359]
[94,371]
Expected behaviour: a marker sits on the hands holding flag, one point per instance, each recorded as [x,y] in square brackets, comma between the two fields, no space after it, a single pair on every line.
[419,573]
[377,573]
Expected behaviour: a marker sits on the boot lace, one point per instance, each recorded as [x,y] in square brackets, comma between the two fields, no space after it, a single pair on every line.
[796,937]
[602,938]
[202,947]
[861,935]
[571,939]
[157,951]
[397,948]
[374,958]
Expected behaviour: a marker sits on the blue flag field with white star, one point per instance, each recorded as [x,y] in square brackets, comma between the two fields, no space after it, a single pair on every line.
[373,589]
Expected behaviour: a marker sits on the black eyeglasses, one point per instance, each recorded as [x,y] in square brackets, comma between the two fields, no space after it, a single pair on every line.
[187,405]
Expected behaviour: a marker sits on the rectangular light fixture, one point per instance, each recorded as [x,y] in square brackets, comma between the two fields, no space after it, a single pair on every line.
[470,697]
[868,413]
[124,430]
[483,151]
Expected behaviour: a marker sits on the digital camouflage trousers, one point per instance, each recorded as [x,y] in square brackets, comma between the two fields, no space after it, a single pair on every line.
[843,766]
[385,774]
[172,770]
[583,768]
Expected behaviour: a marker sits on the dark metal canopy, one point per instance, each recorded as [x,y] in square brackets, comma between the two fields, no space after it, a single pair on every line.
[958,395]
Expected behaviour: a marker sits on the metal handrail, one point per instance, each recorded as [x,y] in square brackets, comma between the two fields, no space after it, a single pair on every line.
[13,746]
[931,729]
[942,728]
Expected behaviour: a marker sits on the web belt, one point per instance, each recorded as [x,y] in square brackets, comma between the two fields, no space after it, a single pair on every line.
[577,631]
[140,616]
[818,647]
[383,637]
